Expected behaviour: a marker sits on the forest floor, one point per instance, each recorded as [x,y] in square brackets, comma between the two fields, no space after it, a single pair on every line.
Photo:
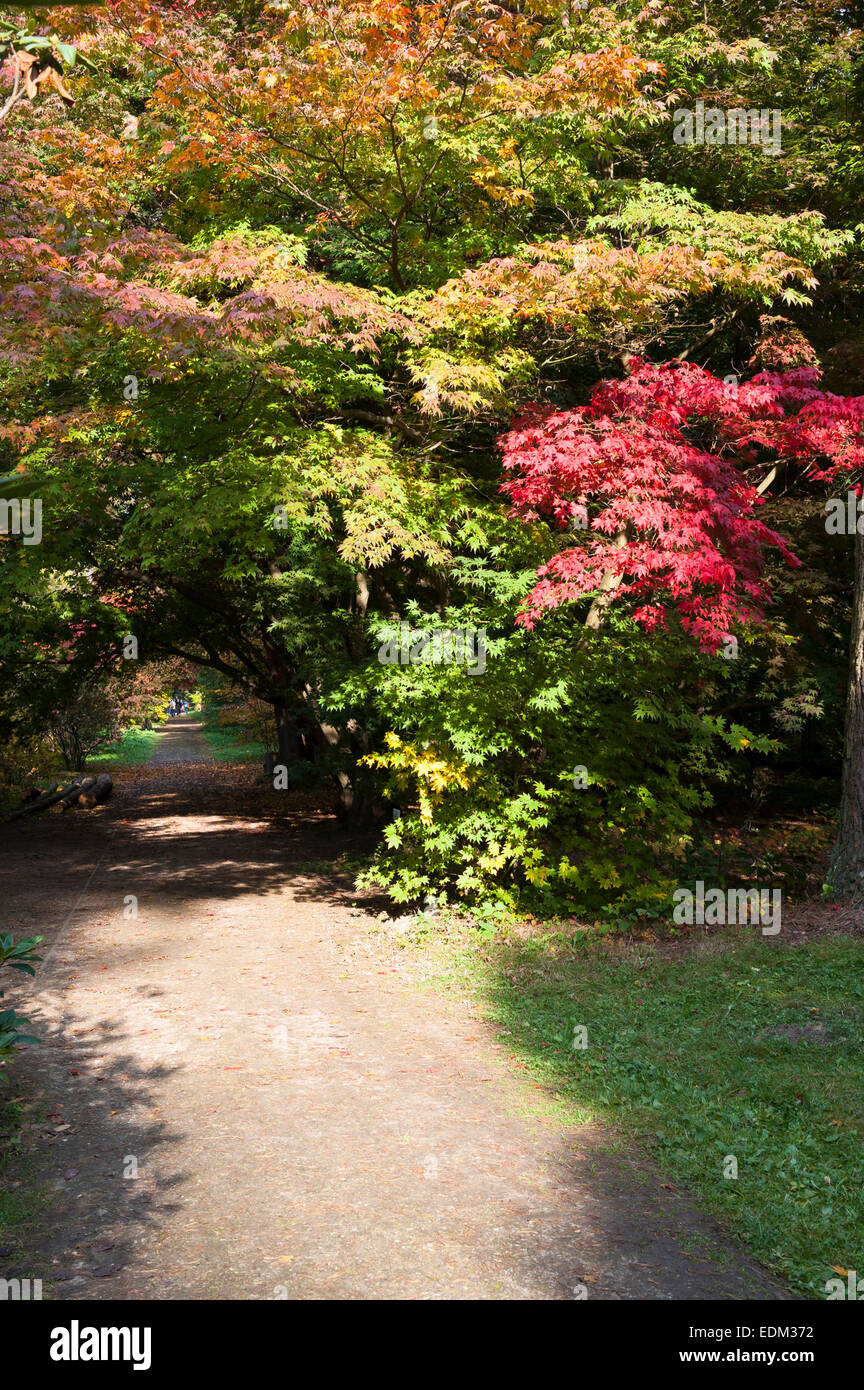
[243,1092]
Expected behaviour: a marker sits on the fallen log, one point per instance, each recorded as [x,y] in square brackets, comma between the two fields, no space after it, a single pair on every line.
[82,785]
[33,793]
[99,792]
[43,802]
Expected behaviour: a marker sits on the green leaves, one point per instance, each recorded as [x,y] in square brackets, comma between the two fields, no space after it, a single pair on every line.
[14,39]
[21,956]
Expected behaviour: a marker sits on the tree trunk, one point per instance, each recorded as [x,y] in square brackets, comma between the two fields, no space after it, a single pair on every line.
[287,736]
[846,871]
[609,586]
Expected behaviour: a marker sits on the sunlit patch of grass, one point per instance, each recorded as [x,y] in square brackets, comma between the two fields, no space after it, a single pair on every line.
[231,744]
[133,748]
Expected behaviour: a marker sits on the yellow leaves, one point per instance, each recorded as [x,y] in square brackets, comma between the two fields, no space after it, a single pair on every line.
[431,773]
[511,197]
[534,869]
[458,383]
[576,288]
[538,875]
[493,860]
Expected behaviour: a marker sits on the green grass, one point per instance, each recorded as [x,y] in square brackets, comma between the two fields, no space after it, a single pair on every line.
[133,748]
[233,745]
[678,1054]
[17,1204]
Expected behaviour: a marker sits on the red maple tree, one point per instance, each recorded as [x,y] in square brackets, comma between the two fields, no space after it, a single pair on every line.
[652,471]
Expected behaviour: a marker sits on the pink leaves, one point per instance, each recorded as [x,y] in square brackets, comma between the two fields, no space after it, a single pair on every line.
[228,300]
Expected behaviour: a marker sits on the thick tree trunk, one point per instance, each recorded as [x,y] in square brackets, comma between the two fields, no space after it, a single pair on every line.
[287,735]
[846,871]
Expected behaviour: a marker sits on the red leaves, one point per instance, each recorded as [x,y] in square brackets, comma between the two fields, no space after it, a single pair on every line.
[671,520]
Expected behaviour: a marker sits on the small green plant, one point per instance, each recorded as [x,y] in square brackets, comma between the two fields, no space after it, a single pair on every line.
[490,916]
[18,955]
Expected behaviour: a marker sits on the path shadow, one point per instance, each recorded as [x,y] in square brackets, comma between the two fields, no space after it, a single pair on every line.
[85,1157]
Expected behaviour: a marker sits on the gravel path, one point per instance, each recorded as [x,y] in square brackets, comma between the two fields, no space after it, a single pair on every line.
[249,1097]
[181,741]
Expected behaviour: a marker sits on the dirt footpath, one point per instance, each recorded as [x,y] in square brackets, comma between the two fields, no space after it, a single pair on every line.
[246,1097]
[181,741]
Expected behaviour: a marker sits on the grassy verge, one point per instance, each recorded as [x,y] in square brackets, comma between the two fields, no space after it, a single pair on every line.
[133,748]
[743,1050]
[233,745]
[18,1203]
